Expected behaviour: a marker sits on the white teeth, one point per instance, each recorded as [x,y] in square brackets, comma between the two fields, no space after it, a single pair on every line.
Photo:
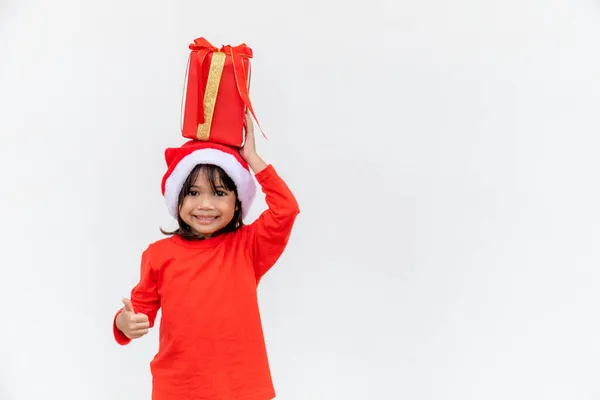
[205,219]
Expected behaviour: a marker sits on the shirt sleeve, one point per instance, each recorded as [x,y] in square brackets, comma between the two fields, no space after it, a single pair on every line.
[144,297]
[270,233]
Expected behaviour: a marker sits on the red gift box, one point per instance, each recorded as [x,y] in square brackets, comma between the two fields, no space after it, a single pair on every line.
[217,94]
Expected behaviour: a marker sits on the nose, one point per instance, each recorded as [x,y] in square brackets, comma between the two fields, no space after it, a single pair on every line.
[204,202]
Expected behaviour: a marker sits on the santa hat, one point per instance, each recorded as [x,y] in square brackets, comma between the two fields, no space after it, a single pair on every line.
[182,160]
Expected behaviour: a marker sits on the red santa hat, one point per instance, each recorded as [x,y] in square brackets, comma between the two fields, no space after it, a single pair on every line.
[182,160]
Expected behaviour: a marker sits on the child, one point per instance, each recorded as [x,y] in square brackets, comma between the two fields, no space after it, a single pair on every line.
[204,276]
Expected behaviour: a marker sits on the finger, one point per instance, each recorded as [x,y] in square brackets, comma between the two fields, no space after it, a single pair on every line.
[141,325]
[137,326]
[140,318]
[138,334]
[127,305]
[250,130]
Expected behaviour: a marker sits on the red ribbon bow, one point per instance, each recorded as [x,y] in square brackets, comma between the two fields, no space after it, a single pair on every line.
[199,50]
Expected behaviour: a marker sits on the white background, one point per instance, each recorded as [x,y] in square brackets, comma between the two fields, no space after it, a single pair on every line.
[444,155]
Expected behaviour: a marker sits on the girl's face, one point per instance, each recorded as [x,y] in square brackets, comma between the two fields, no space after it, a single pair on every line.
[207,208]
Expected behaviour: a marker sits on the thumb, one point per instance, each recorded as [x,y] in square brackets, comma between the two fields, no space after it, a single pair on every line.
[128,306]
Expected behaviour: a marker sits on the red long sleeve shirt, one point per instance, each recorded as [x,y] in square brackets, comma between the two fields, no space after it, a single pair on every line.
[211,344]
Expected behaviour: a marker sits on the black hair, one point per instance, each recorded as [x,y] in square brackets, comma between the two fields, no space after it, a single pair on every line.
[216,176]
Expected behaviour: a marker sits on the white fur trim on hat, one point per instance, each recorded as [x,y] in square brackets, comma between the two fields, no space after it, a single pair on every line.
[241,176]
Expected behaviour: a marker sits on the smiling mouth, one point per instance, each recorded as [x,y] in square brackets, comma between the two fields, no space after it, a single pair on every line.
[204,220]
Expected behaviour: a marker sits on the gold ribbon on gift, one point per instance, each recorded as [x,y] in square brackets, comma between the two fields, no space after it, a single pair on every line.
[210,94]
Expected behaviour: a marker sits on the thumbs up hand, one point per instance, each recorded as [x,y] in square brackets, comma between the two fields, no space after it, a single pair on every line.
[131,324]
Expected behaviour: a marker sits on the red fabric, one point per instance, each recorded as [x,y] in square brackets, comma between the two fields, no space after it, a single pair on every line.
[211,344]
[232,97]
[174,155]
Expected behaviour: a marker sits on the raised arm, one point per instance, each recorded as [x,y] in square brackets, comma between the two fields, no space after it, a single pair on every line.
[270,233]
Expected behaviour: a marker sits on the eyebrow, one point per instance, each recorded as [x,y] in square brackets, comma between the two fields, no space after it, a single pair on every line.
[219,187]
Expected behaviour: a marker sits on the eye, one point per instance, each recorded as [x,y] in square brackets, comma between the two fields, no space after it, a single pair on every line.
[193,193]
[221,193]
